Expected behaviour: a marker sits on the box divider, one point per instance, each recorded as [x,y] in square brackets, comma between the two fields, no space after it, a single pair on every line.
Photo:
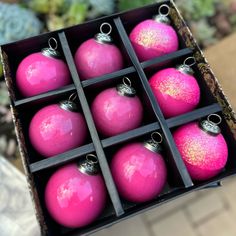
[86,149]
[171,56]
[49,94]
[184,175]
[92,129]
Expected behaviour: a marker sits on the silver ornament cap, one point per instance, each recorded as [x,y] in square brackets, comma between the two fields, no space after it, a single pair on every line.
[153,144]
[89,165]
[163,12]
[104,37]
[51,50]
[211,127]
[69,105]
[126,88]
[185,68]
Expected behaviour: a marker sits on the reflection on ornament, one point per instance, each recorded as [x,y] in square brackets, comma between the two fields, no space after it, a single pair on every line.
[202,147]
[154,38]
[42,71]
[75,194]
[117,110]
[98,56]
[139,170]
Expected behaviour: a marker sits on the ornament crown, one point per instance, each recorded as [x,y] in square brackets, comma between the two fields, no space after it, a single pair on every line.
[69,105]
[163,12]
[210,126]
[153,144]
[51,51]
[104,37]
[186,66]
[89,165]
[126,88]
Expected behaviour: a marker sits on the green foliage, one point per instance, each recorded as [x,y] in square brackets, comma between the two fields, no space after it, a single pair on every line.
[75,13]
[125,4]
[64,13]
[204,33]
[102,7]
[4,97]
[197,9]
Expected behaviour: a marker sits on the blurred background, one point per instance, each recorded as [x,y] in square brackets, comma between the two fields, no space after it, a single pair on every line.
[213,23]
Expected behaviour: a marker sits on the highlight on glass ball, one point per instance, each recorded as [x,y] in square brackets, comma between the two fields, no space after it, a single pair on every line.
[139,170]
[154,37]
[117,110]
[99,55]
[202,147]
[75,194]
[58,128]
[43,71]
[176,89]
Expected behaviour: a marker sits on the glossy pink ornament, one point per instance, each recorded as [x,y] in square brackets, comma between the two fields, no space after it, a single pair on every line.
[57,128]
[139,172]
[176,90]
[154,37]
[75,195]
[98,56]
[117,110]
[202,148]
[41,72]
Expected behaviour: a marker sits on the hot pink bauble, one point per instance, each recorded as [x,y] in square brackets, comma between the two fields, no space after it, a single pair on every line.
[176,92]
[140,174]
[204,155]
[54,130]
[152,39]
[94,59]
[114,113]
[75,199]
[38,74]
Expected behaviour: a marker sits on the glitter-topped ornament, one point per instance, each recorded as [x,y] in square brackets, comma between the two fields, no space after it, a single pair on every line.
[139,170]
[176,90]
[98,56]
[57,128]
[42,71]
[75,194]
[202,147]
[154,37]
[117,110]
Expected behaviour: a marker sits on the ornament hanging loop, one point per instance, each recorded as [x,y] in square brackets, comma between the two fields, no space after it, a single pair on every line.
[92,159]
[73,97]
[127,82]
[103,25]
[156,137]
[52,43]
[216,116]
[189,61]
[164,10]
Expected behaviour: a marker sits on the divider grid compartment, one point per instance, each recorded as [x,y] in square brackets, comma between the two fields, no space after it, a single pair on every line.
[117,209]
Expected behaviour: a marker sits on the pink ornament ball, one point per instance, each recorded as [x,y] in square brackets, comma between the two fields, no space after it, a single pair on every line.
[38,74]
[176,92]
[114,114]
[140,174]
[94,59]
[75,199]
[152,39]
[204,155]
[54,130]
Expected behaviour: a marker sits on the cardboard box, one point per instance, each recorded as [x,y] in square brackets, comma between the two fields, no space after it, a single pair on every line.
[39,170]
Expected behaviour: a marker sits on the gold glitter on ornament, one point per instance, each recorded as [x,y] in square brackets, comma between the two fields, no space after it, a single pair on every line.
[147,38]
[176,87]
